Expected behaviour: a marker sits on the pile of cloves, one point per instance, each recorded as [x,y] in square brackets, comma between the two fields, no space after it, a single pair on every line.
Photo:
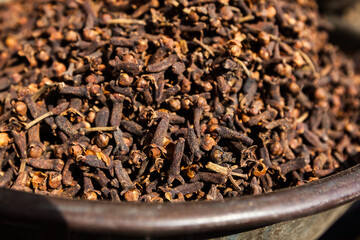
[171,100]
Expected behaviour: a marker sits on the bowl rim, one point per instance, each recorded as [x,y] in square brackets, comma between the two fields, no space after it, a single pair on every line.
[144,219]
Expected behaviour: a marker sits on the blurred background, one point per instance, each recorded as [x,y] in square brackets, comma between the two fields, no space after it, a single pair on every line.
[344,16]
[347,227]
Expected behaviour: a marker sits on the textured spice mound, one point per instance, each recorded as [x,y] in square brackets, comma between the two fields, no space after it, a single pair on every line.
[171,100]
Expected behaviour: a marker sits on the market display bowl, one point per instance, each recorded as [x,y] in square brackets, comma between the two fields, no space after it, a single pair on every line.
[302,212]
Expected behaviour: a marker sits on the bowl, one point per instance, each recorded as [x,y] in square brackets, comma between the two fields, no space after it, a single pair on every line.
[302,212]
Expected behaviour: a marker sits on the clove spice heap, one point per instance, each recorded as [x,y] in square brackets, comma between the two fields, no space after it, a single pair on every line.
[152,101]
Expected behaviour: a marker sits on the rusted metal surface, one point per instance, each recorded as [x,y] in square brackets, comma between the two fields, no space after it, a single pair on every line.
[232,215]
[307,228]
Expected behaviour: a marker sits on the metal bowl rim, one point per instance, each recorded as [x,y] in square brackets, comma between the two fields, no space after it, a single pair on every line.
[236,214]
